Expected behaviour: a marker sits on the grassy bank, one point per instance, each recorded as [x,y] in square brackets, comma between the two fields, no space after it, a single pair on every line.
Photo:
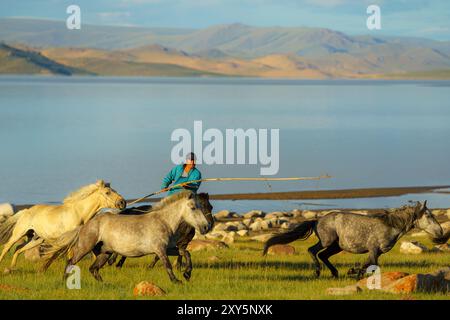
[241,273]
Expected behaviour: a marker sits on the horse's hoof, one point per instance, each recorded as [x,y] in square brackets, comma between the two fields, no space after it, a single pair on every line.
[187,276]
[351,272]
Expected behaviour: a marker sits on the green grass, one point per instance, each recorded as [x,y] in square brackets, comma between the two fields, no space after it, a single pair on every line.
[241,273]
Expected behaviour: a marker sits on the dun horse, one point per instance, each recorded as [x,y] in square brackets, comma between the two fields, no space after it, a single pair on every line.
[182,238]
[358,234]
[131,235]
[46,222]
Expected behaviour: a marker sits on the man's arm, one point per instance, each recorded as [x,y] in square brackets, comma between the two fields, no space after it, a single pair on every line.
[196,175]
[168,179]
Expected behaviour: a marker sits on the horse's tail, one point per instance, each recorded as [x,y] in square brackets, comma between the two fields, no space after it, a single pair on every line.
[7,227]
[302,232]
[59,247]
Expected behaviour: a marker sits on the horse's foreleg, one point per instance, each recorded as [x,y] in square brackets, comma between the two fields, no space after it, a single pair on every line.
[372,259]
[165,260]
[327,253]
[187,256]
[30,245]
[313,251]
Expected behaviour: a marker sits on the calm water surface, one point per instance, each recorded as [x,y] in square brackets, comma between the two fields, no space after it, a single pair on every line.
[57,134]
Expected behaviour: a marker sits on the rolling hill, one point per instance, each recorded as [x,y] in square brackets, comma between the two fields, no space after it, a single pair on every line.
[19,61]
[226,50]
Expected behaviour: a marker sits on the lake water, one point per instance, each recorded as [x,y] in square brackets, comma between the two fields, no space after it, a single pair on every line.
[59,133]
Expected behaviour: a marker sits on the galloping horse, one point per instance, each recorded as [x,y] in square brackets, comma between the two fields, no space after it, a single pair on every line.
[358,234]
[130,235]
[184,235]
[49,222]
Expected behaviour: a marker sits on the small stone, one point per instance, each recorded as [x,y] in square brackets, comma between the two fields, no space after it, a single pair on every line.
[262,237]
[285,225]
[412,247]
[438,281]
[145,288]
[197,245]
[352,289]
[212,259]
[256,226]
[225,214]
[219,227]
[242,233]
[387,278]
[6,210]
[442,248]
[296,213]
[254,214]
[229,238]
[281,249]
[309,214]
[445,226]
[247,222]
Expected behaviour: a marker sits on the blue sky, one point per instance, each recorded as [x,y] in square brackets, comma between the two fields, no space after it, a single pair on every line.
[430,19]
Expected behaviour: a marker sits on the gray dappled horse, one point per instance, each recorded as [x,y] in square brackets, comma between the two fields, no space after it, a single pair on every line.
[355,233]
[181,239]
[130,235]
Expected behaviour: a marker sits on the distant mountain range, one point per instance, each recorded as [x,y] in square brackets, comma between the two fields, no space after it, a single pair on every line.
[43,46]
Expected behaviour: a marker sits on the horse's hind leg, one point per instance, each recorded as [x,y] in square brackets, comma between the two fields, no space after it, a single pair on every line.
[101,260]
[313,251]
[327,253]
[165,260]
[113,259]
[28,246]
[15,237]
[153,263]
[121,262]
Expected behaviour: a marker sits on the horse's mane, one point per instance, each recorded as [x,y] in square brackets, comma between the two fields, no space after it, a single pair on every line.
[400,218]
[81,193]
[171,199]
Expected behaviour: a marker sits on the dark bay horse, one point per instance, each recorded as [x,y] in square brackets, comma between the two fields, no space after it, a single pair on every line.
[354,233]
[182,238]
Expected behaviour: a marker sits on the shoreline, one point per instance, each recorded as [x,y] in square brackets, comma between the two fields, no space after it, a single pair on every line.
[312,194]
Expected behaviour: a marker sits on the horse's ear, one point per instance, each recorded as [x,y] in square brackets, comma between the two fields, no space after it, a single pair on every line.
[100,183]
[191,196]
[425,204]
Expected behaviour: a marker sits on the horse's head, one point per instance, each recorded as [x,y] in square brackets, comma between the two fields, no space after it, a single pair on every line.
[193,215]
[108,197]
[206,207]
[426,221]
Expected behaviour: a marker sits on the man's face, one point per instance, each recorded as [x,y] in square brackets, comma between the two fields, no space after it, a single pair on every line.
[190,162]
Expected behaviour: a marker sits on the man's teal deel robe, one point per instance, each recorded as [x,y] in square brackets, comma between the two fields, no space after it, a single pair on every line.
[175,176]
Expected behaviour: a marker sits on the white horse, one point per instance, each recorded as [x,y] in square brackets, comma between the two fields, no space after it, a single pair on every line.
[49,222]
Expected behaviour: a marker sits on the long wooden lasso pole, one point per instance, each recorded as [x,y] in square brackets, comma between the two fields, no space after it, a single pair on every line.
[227,179]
